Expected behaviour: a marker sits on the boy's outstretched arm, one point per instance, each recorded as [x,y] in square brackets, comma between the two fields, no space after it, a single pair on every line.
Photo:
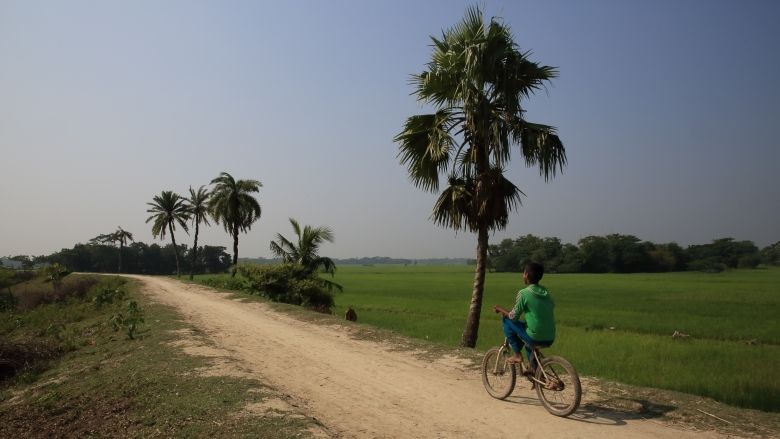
[501,310]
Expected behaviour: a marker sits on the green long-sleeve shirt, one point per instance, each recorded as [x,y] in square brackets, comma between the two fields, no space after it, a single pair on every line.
[535,302]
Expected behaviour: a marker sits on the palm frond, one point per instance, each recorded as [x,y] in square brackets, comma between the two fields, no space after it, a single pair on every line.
[503,198]
[541,147]
[425,145]
[330,285]
[453,208]
[305,252]
[325,264]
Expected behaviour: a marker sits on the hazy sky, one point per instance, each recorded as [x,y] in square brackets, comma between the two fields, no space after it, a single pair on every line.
[668,110]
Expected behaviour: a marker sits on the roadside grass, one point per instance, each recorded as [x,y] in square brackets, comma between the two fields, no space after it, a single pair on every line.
[104,384]
[611,326]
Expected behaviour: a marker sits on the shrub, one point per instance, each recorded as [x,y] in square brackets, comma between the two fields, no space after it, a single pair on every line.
[108,295]
[54,273]
[129,322]
[288,283]
[231,283]
[312,293]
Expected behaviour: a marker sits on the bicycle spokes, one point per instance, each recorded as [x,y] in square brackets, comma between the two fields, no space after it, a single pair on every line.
[498,376]
[558,386]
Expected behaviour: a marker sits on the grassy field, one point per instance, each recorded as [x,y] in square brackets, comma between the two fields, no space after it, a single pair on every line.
[611,326]
[83,379]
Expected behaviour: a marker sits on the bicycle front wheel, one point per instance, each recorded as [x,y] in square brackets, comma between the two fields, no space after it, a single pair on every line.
[558,387]
[498,376]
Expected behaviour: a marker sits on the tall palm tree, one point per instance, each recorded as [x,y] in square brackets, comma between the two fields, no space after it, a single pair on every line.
[476,80]
[198,209]
[168,209]
[233,205]
[120,236]
[306,252]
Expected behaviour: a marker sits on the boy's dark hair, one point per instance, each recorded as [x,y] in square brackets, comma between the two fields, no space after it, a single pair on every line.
[535,272]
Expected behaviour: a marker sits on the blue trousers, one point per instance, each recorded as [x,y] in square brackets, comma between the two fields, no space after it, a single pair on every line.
[515,333]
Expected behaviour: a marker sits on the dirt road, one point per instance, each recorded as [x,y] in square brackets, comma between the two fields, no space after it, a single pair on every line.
[364,389]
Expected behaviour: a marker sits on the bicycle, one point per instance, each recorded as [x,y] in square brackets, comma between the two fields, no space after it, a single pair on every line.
[555,379]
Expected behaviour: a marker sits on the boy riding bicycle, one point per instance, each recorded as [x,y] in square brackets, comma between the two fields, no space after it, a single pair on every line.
[535,303]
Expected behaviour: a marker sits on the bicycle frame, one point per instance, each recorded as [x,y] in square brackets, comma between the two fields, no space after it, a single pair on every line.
[504,348]
[537,356]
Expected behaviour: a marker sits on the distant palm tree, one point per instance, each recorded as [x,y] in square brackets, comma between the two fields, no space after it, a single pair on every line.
[120,236]
[476,80]
[198,209]
[305,252]
[167,210]
[233,205]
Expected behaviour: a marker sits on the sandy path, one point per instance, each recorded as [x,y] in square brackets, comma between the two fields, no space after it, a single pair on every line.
[361,389]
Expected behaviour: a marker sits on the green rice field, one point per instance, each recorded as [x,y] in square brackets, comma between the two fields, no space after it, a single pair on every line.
[613,326]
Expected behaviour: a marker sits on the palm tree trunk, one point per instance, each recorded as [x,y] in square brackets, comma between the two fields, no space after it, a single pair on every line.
[121,247]
[471,330]
[194,251]
[175,249]
[235,250]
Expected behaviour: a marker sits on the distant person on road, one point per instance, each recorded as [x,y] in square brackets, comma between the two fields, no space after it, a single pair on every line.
[535,304]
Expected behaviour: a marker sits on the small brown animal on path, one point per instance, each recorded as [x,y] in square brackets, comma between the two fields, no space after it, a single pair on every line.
[351,315]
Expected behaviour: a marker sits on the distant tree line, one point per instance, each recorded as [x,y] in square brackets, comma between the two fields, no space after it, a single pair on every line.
[618,253]
[138,258]
[374,260]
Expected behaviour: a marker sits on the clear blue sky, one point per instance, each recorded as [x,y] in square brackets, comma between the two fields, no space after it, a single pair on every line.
[668,111]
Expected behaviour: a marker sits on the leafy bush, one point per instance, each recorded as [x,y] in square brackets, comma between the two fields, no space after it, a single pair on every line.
[312,293]
[108,295]
[231,283]
[288,283]
[54,273]
[129,322]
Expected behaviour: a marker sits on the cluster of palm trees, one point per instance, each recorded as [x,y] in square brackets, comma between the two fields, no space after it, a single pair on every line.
[230,202]
[477,81]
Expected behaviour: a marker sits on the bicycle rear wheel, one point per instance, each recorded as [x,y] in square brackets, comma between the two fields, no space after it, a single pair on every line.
[558,388]
[498,376]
